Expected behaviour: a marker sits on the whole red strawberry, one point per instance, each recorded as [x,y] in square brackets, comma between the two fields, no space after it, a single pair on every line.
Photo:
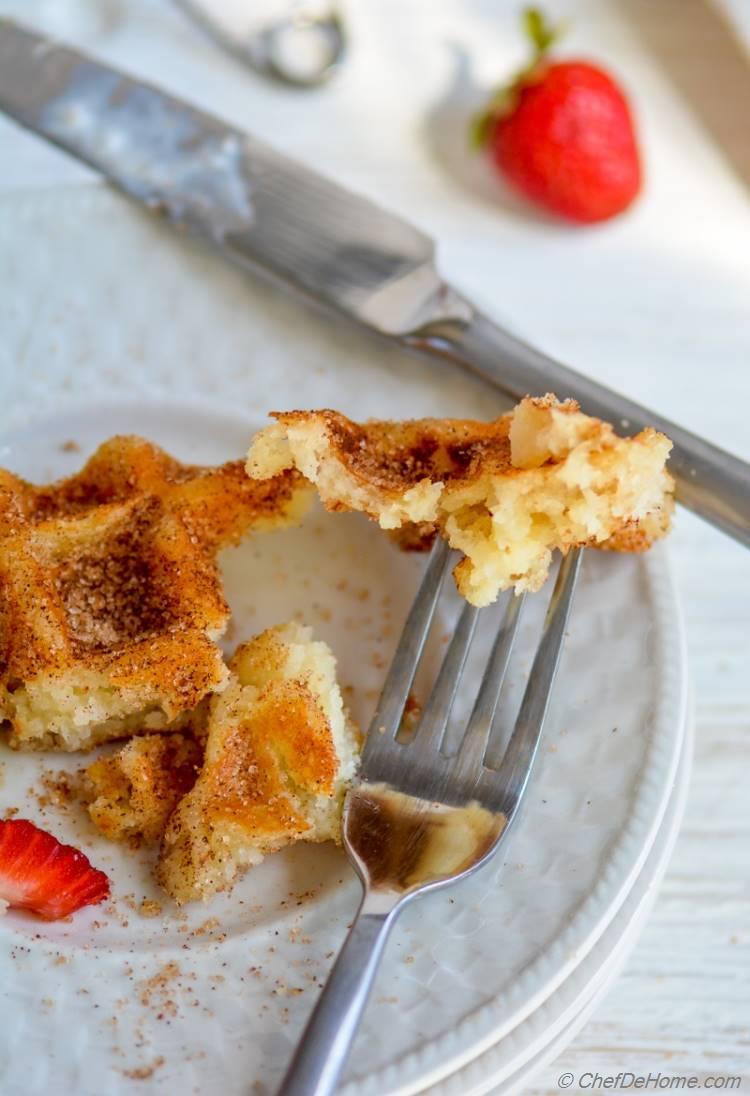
[563,134]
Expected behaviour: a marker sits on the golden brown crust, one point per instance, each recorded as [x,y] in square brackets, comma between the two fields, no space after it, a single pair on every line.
[134,790]
[639,536]
[111,574]
[283,739]
[395,456]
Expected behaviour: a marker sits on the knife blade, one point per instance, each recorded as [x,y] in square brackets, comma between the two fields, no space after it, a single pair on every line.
[223,185]
[264,210]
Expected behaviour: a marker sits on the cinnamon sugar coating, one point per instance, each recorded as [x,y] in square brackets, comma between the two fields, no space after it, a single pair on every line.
[110,595]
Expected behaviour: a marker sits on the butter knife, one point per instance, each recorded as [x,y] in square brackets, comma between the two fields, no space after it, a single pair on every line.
[264,210]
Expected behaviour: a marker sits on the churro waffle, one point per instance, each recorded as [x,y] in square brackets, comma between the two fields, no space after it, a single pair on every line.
[505,493]
[110,596]
[279,755]
[134,791]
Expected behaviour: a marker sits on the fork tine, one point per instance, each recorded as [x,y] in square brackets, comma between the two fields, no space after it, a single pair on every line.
[515,767]
[431,728]
[474,743]
[390,707]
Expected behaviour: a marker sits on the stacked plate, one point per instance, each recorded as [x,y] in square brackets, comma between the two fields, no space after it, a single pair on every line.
[510,1064]
[481,984]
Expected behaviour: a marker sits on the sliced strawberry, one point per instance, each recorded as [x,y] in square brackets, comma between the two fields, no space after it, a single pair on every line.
[39,873]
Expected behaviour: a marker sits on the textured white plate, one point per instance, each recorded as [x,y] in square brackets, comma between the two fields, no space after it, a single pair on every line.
[109,323]
[509,1066]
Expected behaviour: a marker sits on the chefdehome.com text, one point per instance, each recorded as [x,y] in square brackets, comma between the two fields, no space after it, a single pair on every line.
[595,1082]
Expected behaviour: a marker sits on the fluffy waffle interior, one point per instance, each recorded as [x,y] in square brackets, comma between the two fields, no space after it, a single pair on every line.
[110,596]
[505,493]
[280,753]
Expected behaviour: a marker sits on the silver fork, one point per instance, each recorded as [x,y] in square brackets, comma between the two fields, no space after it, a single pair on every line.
[418,819]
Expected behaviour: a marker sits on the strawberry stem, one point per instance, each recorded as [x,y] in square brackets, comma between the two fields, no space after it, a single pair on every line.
[542,35]
[540,32]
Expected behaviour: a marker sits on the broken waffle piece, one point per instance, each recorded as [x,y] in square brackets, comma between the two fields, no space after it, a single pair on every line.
[504,493]
[133,792]
[280,754]
[110,597]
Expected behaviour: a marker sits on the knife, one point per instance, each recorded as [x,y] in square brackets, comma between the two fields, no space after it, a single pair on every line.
[264,210]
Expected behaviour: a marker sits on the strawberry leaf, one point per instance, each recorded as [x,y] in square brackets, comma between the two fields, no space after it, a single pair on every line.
[480,128]
[540,32]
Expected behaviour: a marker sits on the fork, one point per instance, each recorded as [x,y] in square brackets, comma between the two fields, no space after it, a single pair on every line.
[418,817]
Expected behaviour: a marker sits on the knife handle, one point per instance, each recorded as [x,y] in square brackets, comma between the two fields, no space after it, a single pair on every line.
[711,482]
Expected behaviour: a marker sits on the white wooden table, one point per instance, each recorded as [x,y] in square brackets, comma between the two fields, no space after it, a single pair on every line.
[679,340]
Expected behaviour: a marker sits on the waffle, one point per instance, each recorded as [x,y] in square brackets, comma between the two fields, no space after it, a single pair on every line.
[504,493]
[110,596]
[279,755]
[134,791]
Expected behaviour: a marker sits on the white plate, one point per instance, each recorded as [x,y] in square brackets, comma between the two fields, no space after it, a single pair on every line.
[132,314]
[510,1065]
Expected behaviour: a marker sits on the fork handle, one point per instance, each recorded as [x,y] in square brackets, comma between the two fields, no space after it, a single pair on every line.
[711,482]
[324,1047]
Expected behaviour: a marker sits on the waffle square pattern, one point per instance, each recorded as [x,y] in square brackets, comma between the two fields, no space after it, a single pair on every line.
[111,601]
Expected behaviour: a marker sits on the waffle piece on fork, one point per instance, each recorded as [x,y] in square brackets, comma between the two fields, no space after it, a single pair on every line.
[505,493]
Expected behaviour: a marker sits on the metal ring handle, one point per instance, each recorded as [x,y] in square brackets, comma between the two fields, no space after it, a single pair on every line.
[266,48]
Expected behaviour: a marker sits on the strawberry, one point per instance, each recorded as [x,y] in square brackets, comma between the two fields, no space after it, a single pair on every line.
[39,873]
[563,134]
